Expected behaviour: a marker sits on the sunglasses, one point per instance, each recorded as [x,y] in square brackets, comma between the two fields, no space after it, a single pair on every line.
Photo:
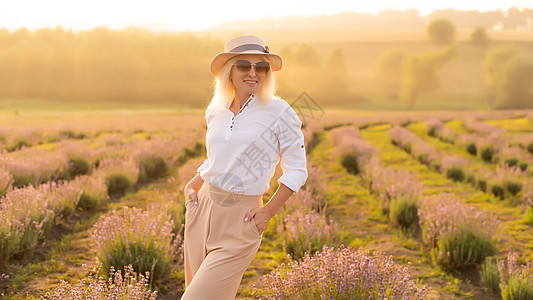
[246,66]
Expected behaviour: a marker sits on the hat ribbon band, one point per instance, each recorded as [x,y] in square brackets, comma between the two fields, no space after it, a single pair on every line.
[247,47]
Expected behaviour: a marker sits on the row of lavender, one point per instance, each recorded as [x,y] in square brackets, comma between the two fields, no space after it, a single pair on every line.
[512,175]
[146,243]
[30,211]
[400,193]
[486,141]
[502,182]
[68,159]
[138,241]
[119,242]
[490,143]
[320,265]
[149,240]
[460,236]
[338,272]
[304,227]
[17,133]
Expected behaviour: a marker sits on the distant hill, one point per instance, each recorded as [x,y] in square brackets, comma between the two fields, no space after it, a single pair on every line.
[514,24]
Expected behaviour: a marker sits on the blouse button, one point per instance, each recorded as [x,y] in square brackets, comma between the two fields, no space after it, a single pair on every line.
[231,126]
[301,146]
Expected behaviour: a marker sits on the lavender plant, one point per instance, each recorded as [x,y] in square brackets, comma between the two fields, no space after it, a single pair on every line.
[133,236]
[469,142]
[390,184]
[316,185]
[461,236]
[355,153]
[340,133]
[425,153]
[25,215]
[151,167]
[18,138]
[306,231]
[447,135]
[80,158]
[453,167]
[490,276]
[311,135]
[490,146]
[481,128]
[410,143]
[6,182]
[94,191]
[306,199]
[510,180]
[155,157]
[120,174]
[402,138]
[35,166]
[342,273]
[62,197]
[118,287]
[511,156]
[530,147]
[403,212]
[516,281]
[434,127]
[191,150]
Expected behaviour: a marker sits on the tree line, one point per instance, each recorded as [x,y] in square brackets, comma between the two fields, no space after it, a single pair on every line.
[136,65]
[513,18]
[509,75]
[106,65]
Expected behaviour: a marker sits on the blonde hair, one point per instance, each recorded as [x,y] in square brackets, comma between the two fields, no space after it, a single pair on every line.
[224,92]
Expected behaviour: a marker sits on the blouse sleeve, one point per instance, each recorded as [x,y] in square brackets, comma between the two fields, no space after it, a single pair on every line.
[292,150]
[205,164]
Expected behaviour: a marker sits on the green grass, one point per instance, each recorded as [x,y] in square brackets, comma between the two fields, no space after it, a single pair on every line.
[517,125]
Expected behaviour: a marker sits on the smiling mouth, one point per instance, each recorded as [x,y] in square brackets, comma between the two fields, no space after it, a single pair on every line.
[251,81]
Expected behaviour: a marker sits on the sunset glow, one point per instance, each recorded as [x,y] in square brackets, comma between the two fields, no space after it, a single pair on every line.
[167,15]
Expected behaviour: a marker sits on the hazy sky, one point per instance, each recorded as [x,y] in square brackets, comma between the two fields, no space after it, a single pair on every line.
[199,15]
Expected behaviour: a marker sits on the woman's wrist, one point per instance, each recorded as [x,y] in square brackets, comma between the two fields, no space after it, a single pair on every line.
[271,212]
[279,198]
[195,183]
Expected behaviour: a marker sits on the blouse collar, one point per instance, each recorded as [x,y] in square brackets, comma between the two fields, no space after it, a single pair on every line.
[246,104]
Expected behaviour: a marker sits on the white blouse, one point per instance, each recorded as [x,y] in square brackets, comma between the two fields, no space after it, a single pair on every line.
[244,149]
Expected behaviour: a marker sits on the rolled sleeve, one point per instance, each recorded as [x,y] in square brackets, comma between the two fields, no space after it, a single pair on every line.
[292,150]
[204,166]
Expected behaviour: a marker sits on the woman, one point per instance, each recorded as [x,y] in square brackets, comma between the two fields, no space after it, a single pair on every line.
[249,131]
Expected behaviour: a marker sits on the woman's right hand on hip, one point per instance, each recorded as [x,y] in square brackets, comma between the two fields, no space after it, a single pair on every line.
[190,193]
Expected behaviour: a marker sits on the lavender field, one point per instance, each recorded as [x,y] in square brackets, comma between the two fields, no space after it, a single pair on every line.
[419,205]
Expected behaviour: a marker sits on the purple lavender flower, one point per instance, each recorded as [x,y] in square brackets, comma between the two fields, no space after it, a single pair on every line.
[342,273]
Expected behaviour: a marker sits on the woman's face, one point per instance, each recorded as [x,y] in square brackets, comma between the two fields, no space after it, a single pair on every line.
[248,82]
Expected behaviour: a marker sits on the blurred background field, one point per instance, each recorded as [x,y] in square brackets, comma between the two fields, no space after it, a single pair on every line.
[335,59]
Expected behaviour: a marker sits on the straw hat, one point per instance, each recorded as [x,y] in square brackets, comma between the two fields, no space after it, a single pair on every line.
[245,44]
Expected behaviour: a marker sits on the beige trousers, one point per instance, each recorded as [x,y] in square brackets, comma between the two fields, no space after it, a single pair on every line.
[218,244]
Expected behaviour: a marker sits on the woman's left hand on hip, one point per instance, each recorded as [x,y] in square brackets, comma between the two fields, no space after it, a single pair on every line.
[261,216]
